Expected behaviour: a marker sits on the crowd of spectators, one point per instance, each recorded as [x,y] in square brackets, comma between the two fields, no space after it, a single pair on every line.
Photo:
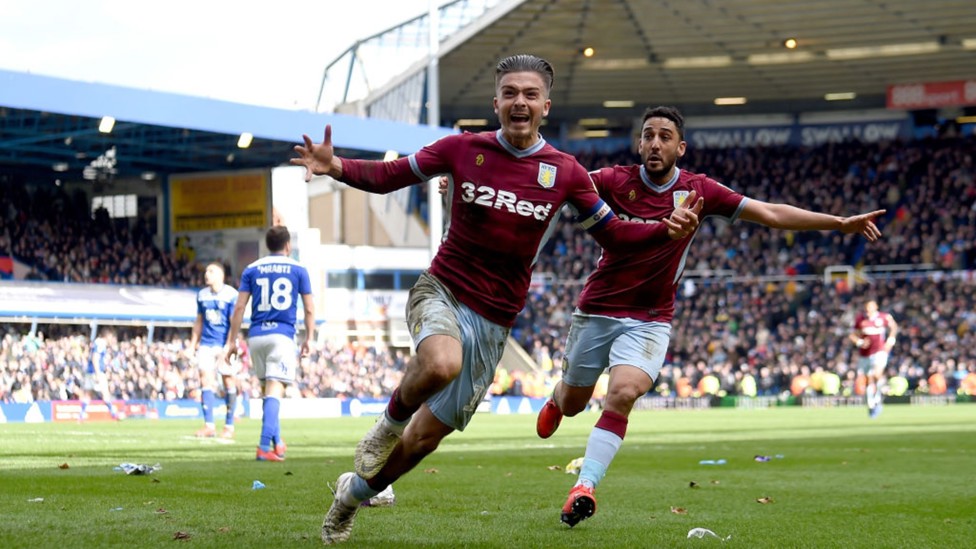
[751,318]
[732,324]
[50,365]
[928,187]
[55,234]
[775,336]
[737,338]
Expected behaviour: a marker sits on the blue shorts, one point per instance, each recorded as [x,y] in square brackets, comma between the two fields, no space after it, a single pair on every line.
[433,310]
[596,343]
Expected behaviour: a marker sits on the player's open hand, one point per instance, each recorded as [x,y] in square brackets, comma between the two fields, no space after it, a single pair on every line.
[684,219]
[316,157]
[863,224]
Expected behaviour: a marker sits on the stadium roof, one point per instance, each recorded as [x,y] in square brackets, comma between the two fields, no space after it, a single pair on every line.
[51,126]
[646,51]
[688,53]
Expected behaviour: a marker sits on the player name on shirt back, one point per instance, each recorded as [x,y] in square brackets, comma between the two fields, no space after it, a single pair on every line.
[274,269]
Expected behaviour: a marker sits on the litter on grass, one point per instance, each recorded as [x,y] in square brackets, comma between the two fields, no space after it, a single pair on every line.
[573,467]
[257,485]
[702,532]
[712,462]
[138,468]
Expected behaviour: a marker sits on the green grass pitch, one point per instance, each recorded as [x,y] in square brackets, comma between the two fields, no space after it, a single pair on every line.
[906,479]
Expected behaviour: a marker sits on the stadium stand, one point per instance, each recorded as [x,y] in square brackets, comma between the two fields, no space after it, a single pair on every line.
[758,313]
[49,365]
[55,234]
[755,302]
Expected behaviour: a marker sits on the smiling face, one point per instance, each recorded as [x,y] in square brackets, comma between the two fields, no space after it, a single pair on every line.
[521,101]
[660,148]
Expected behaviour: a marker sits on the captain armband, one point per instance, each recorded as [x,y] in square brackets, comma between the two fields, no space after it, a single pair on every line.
[596,218]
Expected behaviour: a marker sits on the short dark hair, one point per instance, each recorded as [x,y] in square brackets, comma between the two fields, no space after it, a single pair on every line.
[276,238]
[671,113]
[524,62]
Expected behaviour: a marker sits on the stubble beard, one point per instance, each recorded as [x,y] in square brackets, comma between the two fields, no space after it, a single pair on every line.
[657,174]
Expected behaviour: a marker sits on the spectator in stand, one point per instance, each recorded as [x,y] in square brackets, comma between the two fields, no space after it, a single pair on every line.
[968,384]
[937,380]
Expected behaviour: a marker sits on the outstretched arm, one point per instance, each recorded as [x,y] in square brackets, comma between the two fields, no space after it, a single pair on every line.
[784,216]
[367,175]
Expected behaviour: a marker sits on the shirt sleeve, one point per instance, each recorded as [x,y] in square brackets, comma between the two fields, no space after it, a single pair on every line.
[383,177]
[245,282]
[304,283]
[377,176]
[229,306]
[600,179]
[596,218]
[721,200]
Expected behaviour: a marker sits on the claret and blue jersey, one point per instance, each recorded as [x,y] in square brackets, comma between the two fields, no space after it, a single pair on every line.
[275,283]
[641,283]
[503,205]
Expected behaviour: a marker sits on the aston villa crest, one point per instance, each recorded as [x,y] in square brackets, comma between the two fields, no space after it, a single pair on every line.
[547,175]
[679,198]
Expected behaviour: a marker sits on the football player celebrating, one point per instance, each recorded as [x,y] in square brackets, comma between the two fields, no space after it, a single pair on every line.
[623,317]
[505,194]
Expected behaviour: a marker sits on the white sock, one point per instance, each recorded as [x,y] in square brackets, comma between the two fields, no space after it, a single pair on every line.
[358,491]
[601,448]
